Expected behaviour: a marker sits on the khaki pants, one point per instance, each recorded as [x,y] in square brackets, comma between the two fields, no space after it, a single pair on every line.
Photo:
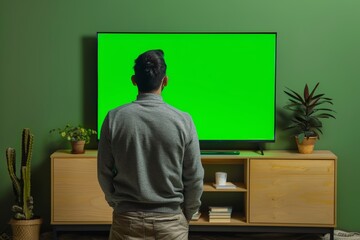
[149,226]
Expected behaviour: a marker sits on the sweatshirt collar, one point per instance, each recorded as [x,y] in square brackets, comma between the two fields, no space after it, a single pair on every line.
[149,97]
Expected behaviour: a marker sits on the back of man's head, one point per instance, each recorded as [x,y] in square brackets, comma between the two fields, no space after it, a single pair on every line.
[150,69]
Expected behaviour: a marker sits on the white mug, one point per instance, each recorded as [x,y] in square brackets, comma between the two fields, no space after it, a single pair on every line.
[220,178]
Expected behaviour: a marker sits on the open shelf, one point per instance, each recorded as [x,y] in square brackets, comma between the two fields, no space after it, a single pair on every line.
[236,220]
[240,187]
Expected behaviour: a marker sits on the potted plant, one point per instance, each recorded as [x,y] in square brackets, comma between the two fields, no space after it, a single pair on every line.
[308,111]
[24,224]
[78,136]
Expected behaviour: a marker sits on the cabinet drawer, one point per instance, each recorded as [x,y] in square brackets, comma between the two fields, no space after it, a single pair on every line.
[292,191]
[76,193]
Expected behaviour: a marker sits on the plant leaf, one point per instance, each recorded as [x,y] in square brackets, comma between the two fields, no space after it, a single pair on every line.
[295,95]
[325,115]
[324,109]
[306,93]
[313,91]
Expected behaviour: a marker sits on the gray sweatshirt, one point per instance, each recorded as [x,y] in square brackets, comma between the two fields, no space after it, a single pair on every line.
[149,158]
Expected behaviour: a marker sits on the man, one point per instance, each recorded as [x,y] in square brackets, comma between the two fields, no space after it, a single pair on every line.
[149,163]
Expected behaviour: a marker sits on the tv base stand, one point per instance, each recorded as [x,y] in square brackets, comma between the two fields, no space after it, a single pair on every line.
[219,153]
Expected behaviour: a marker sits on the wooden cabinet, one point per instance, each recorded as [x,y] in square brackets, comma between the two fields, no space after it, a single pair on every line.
[279,188]
[76,197]
[292,191]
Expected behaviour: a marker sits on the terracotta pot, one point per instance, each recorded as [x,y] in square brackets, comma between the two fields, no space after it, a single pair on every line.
[307,145]
[26,229]
[77,147]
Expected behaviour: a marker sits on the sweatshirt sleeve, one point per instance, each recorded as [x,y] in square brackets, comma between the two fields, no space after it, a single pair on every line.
[105,164]
[193,175]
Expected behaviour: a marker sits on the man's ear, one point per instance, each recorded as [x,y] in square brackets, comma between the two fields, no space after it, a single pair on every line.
[165,81]
[133,80]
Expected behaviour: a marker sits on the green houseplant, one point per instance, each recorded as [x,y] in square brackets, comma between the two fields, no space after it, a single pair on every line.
[77,135]
[308,111]
[24,223]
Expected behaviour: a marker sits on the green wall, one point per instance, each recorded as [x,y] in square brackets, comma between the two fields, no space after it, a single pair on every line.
[48,71]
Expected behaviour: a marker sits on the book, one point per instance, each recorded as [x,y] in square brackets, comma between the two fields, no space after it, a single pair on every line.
[196,216]
[219,220]
[227,185]
[219,216]
[228,214]
[220,209]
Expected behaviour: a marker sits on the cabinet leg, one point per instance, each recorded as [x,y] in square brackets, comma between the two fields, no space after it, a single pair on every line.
[55,234]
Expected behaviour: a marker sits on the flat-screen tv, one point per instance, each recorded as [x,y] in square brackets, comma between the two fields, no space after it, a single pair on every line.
[225,81]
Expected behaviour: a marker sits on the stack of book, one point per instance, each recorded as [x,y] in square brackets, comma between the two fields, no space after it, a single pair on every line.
[220,214]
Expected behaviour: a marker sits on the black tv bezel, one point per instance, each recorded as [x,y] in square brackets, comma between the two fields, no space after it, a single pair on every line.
[226,145]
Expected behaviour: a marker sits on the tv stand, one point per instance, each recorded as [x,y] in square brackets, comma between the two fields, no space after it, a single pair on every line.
[280,191]
[219,152]
[260,148]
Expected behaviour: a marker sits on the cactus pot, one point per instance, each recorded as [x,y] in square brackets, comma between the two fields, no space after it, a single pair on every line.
[26,229]
[307,144]
[77,147]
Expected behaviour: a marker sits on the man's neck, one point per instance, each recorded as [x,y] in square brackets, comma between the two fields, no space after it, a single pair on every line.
[158,92]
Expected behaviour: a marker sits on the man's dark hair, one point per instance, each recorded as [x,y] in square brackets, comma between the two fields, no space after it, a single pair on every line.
[150,69]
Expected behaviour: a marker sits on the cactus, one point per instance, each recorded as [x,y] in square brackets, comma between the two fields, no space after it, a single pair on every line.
[23,207]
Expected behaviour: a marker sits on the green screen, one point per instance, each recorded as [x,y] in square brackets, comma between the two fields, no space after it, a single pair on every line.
[225,81]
